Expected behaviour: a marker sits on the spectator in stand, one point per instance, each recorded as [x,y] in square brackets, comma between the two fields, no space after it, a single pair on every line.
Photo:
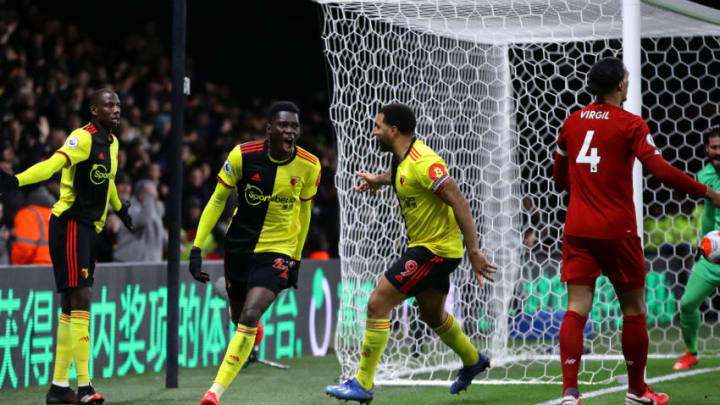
[31,227]
[123,183]
[47,71]
[195,187]
[147,242]
[316,247]
[106,240]
[4,236]
[193,209]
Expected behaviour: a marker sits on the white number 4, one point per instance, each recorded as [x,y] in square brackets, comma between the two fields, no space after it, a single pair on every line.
[583,157]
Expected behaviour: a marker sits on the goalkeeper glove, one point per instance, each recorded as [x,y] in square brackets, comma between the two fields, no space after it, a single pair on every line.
[196,265]
[8,183]
[125,216]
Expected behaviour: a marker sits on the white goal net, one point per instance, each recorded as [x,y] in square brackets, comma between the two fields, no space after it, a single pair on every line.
[491,83]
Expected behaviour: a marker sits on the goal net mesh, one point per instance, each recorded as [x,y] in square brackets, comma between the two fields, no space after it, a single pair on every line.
[491,83]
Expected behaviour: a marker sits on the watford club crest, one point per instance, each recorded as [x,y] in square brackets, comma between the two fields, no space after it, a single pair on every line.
[294,180]
[85,273]
[402,180]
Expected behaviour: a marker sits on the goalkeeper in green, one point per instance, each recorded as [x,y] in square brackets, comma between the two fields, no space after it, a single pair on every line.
[705,276]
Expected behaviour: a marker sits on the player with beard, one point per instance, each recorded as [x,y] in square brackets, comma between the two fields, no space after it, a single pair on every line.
[276,181]
[88,160]
[705,276]
[594,158]
[437,219]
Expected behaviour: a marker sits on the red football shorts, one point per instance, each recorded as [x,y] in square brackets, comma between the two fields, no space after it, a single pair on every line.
[620,260]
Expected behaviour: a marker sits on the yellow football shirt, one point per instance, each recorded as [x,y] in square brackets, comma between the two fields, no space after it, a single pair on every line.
[91,166]
[267,218]
[430,222]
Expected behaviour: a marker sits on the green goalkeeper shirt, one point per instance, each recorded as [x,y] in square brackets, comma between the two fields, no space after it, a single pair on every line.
[711,214]
[710,272]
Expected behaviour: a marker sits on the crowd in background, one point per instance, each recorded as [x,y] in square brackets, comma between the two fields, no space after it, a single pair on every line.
[47,71]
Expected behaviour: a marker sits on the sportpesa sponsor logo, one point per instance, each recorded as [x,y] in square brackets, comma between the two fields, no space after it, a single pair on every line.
[99,173]
[254,196]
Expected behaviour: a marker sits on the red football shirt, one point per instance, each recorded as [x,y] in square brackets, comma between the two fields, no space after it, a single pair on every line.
[601,142]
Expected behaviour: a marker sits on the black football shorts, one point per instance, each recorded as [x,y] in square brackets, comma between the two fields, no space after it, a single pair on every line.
[268,270]
[419,269]
[72,250]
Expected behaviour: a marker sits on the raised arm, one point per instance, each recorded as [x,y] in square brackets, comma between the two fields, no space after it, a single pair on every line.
[75,150]
[41,171]
[34,174]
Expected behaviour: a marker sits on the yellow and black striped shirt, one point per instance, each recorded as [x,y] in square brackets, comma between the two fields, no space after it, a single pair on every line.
[267,216]
[429,221]
[88,176]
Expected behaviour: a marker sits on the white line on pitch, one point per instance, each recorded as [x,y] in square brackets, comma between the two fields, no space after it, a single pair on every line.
[662,378]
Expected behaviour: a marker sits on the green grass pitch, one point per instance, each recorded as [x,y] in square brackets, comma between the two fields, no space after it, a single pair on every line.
[304,383]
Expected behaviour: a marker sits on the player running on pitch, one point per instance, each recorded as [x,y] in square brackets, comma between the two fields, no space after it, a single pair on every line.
[438,219]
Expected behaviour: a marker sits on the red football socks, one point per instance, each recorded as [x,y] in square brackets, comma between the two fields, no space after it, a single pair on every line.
[635,350]
[571,347]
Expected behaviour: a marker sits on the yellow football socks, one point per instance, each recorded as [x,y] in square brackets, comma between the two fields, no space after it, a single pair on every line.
[377,332]
[452,335]
[80,343]
[63,352]
[237,353]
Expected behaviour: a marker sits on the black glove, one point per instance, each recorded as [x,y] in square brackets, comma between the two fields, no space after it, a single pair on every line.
[699,254]
[196,265]
[125,216]
[294,268]
[8,183]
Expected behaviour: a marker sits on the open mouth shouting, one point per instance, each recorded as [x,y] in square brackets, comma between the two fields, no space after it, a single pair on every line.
[288,143]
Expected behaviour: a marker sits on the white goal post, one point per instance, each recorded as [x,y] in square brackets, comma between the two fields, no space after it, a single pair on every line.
[491,83]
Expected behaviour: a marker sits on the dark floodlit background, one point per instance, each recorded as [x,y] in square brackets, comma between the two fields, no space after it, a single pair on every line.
[259,48]
[241,56]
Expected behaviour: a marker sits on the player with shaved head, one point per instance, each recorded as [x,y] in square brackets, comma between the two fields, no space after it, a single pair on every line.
[88,160]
